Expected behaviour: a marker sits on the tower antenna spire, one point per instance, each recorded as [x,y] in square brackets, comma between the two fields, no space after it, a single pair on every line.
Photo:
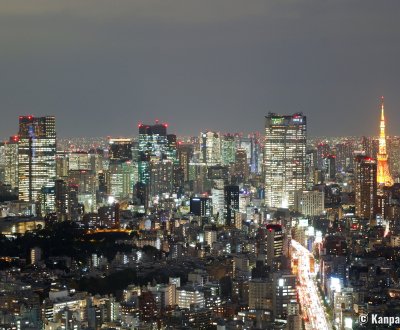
[383,176]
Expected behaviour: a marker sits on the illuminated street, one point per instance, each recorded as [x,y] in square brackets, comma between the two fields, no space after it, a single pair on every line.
[313,309]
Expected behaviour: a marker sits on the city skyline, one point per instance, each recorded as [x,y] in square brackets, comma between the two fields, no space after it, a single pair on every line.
[199,65]
[156,121]
[199,164]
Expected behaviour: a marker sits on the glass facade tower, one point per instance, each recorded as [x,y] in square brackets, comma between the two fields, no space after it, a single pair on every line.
[284,158]
[36,156]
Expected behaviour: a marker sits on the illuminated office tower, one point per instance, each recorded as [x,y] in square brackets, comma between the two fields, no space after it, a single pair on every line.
[36,156]
[241,164]
[329,167]
[198,173]
[394,155]
[119,149]
[344,156]
[153,139]
[47,200]
[122,178]
[61,165]
[365,187]
[2,161]
[284,158]
[370,146]
[210,148]
[74,209]
[254,151]
[284,293]
[309,202]
[310,167]
[102,179]
[170,150]
[11,162]
[323,149]
[231,199]
[85,183]
[294,320]
[178,170]
[97,159]
[228,148]
[384,178]
[273,245]
[78,161]
[184,154]
[109,215]
[161,177]
[201,206]
[260,294]
[152,144]
[217,196]
[36,255]
[247,143]
[218,174]
[61,200]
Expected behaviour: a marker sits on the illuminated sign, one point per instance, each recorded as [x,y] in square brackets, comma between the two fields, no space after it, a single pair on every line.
[277,121]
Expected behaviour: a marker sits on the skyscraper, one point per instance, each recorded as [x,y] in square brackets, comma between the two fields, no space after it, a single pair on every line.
[323,149]
[329,167]
[157,159]
[201,206]
[284,158]
[119,149]
[161,177]
[383,177]
[78,161]
[184,154]
[61,200]
[394,155]
[170,151]
[153,143]
[123,168]
[11,162]
[365,187]
[210,148]
[309,202]
[273,245]
[228,148]
[36,156]
[241,169]
[231,199]
[122,178]
[344,156]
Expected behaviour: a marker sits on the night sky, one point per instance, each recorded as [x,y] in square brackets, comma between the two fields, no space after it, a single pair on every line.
[101,66]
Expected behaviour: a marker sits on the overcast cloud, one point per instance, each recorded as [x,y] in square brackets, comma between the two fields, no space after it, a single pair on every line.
[101,66]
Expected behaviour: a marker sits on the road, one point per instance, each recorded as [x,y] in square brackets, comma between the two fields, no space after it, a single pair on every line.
[312,306]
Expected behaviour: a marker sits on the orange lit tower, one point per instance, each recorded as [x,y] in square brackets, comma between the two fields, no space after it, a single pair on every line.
[384,179]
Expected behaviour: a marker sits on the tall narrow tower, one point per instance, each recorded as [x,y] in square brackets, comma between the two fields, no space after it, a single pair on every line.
[383,177]
[284,158]
[36,156]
